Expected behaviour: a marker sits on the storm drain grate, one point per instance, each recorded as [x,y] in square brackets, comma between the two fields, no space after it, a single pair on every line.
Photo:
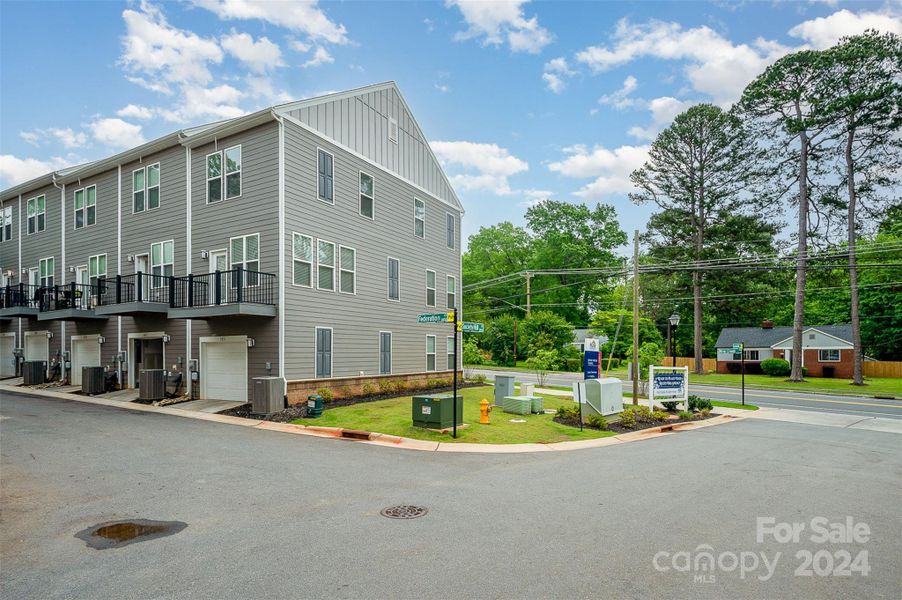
[404,511]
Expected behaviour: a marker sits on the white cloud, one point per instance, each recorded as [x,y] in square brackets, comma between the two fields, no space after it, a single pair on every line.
[620,98]
[321,56]
[715,66]
[824,32]
[663,111]
[67,137]
[220,102]
[534,197]
[260,56]
[15,170]
[610,168]
[299,45]
[556,73]
[31,137]
[116,133]
[499,21]
[302,16]
[261,86]
[153,86]
[477,166]
[135,111]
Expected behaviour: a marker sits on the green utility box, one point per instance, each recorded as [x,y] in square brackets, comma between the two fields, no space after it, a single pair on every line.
[518,405]
[538,405]
[437,411]
[314,406]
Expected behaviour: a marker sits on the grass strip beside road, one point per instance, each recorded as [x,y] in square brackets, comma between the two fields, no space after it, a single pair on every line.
[734,405]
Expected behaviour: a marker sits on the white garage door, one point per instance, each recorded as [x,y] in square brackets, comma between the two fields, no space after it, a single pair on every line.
[85,353]
[7,360]
[37,346]
[224,370]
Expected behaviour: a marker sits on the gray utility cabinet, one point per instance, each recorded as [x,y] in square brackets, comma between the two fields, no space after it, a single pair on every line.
[504,387]
[93,380]
[34,372]
[269,395]
[152,384]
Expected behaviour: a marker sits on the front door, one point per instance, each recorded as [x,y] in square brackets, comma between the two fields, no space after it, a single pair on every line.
[142,265]
[219,260]
[81,281]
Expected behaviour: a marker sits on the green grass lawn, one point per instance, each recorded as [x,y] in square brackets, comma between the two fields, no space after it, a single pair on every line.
[393,416]
[875,385]
[734,405]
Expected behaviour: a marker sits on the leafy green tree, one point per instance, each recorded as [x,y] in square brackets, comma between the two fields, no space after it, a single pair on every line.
[500,338]
[543,360]
[605,323]
[496,252]
[545,330]
[472,355]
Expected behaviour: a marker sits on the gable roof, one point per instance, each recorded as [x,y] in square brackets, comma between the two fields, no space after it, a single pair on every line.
[758,337]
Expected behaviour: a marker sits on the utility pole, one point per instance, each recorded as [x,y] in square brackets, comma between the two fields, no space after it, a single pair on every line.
[528,293]
[636,317]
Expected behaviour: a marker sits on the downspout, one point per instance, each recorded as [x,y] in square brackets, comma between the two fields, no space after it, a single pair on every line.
[62,189]
[19,236]
[189,251]
[281,306]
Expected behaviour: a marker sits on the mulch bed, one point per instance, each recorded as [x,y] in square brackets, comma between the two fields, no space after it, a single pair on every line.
[640,425]
[299,411]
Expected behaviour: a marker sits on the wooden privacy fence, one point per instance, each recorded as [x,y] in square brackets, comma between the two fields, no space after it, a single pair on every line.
[882,368]
[708,364]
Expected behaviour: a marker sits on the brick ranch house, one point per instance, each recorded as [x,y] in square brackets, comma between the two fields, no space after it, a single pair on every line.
[826,349]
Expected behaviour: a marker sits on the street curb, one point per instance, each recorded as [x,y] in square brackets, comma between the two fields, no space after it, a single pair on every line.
[382,439]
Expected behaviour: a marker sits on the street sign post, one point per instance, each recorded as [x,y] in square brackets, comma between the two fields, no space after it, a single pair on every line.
[433,318]
[470,327]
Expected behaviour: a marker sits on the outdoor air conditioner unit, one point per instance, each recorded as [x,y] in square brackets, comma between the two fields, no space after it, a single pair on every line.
[34,372]
[152,385]
[93,380]
[269,395]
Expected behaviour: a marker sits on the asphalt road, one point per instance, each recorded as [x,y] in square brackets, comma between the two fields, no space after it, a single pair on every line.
[273,515]
[835,403]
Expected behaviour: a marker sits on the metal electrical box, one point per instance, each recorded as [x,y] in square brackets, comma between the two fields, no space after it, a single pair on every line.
[152,384]
[93,380]
[436,412]
[269,395]
[34,372]
[600,396]
[504,386]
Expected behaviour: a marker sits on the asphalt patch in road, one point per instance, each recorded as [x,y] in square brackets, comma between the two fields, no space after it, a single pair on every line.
[116,534]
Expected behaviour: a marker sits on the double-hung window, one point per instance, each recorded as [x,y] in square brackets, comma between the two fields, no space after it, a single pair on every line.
[430,353]
[85,206]
[385,352]
[367,195]
[449,351]
[161,263]
[96,268]
[347,270]
[6,224]
[35,210]
[452,291]
[394,279]
[224,182]
[325,188]
[246,255]
[146,188]
[325,265]
[430,288]
[302,252]
[419,218]
[828,355]
[45,272]
[450,227]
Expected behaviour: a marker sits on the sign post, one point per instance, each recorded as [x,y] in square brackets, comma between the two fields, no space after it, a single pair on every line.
[668,382]
[740,348]
[455,328]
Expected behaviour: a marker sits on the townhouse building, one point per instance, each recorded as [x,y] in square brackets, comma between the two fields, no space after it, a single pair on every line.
[299,241]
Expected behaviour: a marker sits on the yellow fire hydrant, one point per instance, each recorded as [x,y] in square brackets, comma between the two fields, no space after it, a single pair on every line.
[484,412]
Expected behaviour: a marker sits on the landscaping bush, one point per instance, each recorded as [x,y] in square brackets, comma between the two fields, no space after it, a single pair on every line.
[804,372]
[660,415]
[471,353]
[671,406]
[386,386]
[568,412]
[345,391]
[643,414]
[574,365]
[598,422]
[326,393]
[696,404]
[477,378]
[687,414]
[615,363]
[705,412]
[400,387]
[369,389]
[628,418]
[776,367]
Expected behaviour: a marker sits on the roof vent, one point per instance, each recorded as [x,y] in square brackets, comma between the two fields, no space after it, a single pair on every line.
[393,130]
[767,324]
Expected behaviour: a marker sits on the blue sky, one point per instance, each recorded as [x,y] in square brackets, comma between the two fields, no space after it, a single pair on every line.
[521,100]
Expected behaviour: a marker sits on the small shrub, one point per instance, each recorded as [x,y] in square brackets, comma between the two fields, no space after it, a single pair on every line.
[478,378]
[598,422]
[628,418]
[568,412]
[345,391]
[804,372]
[660,415]
[671,406]
[400,386]
[705,412]
[574,365]
[696,404]
[369,389]
[775,367]
[386,386]
[686,414]
[615,363]
[643,414]
[432,383]
[326,393]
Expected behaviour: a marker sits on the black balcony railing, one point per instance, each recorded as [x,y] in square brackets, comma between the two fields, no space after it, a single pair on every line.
[137,287]
[80,296]
[223,287]
[22,295]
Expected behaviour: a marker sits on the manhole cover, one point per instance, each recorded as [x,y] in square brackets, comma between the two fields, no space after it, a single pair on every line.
[116,534]
[404,511]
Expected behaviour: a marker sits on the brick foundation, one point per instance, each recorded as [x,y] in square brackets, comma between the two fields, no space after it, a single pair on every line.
[345,387]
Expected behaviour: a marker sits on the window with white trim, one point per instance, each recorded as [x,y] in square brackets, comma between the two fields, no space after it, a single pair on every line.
[146,188]
[450,227]
[828,355]
[430,353]
[214,177]
[162,260]
[394,279]
[385,352]
[419,218]
[325,265]
[367,196]
[85,206]
[430,288]
[452,291]
[45,272]
[245,253]
[96,268]
[449,350]
[224,182]
[6,224]
[347,270]
[325,188]
[35,211]
[302,252]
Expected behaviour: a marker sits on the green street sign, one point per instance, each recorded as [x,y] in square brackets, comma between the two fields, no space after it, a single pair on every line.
[432,318]
[737,347]
[469,327]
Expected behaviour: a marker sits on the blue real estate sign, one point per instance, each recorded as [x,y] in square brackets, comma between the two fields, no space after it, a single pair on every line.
[590,364]
[669,385]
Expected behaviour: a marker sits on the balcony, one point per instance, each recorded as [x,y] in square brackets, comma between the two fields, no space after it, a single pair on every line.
[223,294]
[69,302]
[135,294]
[21,300]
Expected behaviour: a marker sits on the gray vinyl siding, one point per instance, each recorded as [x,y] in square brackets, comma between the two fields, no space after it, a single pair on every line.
[99,238]
[357,319]
[361,123]
[9,248]
[46,243]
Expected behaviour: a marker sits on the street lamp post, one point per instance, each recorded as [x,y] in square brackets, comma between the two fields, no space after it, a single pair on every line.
[672,323]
